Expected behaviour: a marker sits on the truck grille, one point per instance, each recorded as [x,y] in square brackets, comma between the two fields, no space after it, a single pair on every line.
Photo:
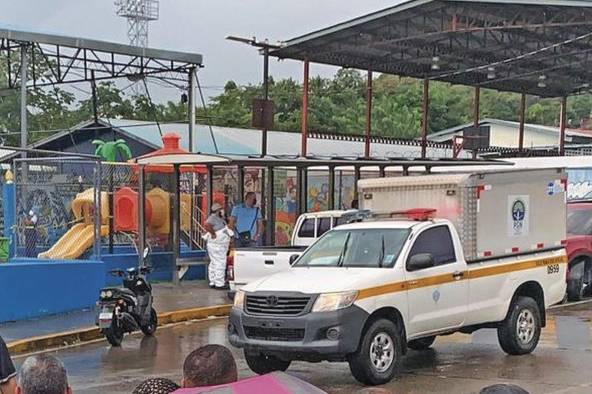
[275,334]
[276,305]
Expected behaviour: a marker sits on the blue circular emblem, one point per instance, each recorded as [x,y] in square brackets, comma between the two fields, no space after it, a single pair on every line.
[518,211]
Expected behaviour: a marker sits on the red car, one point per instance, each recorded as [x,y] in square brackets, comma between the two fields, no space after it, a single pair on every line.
[579,249]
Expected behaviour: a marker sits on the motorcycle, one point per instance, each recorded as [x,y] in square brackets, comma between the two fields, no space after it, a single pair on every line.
[129,308]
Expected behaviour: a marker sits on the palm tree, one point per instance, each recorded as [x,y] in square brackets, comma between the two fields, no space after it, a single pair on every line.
[108,150]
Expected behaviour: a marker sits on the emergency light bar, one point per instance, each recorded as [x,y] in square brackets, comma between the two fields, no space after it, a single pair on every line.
[417,214]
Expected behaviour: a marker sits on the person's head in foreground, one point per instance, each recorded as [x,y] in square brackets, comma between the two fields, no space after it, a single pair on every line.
[43,374]
[156,386]
[210,365]
[503,389]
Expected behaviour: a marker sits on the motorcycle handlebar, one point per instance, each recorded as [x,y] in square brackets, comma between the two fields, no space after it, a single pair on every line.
[117,273]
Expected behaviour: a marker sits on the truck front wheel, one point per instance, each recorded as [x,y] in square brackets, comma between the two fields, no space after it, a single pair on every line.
[520,332]
[378,357]
[262,364]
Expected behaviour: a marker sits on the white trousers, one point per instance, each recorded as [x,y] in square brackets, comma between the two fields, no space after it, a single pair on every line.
[217,250]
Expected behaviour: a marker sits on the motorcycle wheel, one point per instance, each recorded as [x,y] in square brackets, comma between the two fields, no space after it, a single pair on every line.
[114,335]
[150,328]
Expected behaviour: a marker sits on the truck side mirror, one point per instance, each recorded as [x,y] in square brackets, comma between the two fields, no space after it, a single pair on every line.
[293,258]
[420,261]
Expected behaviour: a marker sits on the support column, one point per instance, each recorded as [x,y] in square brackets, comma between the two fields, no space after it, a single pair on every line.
[331,195]
[357,177]
[302,181]
[304,123]
[562,126]
[176,222]
[191,107]
[476,110]
[210,189]
[240,179]
[382,172]
[368,114]
[269,208]
[24,79]
[265,96]
[425,108]
[98,215]
[142,215]
[522,118]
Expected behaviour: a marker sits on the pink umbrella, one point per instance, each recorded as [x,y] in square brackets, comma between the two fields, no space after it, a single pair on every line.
[273,383]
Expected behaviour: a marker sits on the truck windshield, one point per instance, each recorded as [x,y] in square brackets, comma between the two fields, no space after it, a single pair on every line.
[355,248]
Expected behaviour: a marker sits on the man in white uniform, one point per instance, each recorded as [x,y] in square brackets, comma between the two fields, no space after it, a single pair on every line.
[218,238]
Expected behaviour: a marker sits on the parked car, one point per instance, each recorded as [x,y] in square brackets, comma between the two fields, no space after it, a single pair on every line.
[579,249]
[460,252]
[248,264]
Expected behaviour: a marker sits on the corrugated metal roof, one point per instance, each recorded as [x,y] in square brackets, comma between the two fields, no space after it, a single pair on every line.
[520,42]
[446,134]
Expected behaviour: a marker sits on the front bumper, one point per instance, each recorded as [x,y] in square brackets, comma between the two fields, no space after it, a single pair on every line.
[302,337]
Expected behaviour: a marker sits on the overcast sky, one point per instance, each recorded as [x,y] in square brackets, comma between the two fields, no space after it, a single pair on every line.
[199,26]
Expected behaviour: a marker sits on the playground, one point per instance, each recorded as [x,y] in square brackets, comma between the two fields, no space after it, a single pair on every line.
[68,221]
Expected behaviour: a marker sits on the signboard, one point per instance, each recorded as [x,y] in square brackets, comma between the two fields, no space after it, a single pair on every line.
[263,114]
[476,137]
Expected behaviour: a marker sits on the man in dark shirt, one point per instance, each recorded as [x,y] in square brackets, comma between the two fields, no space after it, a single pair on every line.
[7,371]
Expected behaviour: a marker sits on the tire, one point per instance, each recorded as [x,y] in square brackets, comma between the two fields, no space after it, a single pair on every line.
[114,335]
[576,283]
[262,364]
[519,333]
[150,328]
[421,343]
[378,357]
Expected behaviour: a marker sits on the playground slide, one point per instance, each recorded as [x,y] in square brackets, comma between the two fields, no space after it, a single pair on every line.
[74,243]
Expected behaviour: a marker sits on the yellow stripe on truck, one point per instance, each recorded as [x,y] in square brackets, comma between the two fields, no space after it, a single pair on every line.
[448,278]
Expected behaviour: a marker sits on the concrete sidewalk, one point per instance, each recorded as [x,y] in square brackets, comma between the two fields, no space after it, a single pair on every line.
[167,298]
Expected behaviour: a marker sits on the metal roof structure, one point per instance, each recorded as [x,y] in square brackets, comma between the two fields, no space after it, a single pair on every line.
[538,47]
[74,59]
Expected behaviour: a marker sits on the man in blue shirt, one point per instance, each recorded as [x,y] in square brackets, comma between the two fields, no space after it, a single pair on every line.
[245,220]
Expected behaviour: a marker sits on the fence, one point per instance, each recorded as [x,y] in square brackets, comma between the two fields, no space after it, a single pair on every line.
[55,206]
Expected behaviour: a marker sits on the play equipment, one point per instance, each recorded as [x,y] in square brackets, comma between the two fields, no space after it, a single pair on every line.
[81,236]
[157,208]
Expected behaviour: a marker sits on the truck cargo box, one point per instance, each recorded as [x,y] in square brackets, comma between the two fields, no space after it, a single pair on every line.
[495,213]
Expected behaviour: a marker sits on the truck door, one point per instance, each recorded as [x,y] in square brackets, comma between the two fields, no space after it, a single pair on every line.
[437,295]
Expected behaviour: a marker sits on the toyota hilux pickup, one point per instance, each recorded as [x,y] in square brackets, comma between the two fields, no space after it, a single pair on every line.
[442,254]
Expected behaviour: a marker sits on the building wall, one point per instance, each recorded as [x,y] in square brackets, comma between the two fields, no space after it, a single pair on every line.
[507,136]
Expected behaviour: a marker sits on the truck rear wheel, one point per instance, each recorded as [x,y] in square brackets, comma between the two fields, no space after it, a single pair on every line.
[519,333]
[378,357]
[262,364]
[421,343]
[576,284]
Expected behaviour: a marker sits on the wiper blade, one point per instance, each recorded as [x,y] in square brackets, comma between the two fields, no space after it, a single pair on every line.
[343,251]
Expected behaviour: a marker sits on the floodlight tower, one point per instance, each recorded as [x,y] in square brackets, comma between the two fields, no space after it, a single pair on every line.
[138,13]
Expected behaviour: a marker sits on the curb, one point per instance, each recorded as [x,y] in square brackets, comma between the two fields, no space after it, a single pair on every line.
[83,335]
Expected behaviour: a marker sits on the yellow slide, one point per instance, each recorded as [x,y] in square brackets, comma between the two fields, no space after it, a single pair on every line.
[74,243]
[81,236]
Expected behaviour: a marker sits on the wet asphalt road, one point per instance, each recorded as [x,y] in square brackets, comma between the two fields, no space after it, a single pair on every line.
[456,364]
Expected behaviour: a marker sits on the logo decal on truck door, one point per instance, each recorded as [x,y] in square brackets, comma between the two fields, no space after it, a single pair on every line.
[518,216]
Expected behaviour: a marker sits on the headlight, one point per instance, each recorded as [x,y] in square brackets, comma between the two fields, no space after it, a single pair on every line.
[334,301]
[239,299]
[103,295]
[108,294]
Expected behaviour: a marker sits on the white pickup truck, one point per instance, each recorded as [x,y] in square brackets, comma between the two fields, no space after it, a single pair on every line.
[248,264]
[366,292]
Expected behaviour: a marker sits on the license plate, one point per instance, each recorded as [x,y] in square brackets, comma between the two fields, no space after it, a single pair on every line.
[105,319]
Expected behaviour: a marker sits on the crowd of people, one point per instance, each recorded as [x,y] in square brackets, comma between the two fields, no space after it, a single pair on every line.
[207,366]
